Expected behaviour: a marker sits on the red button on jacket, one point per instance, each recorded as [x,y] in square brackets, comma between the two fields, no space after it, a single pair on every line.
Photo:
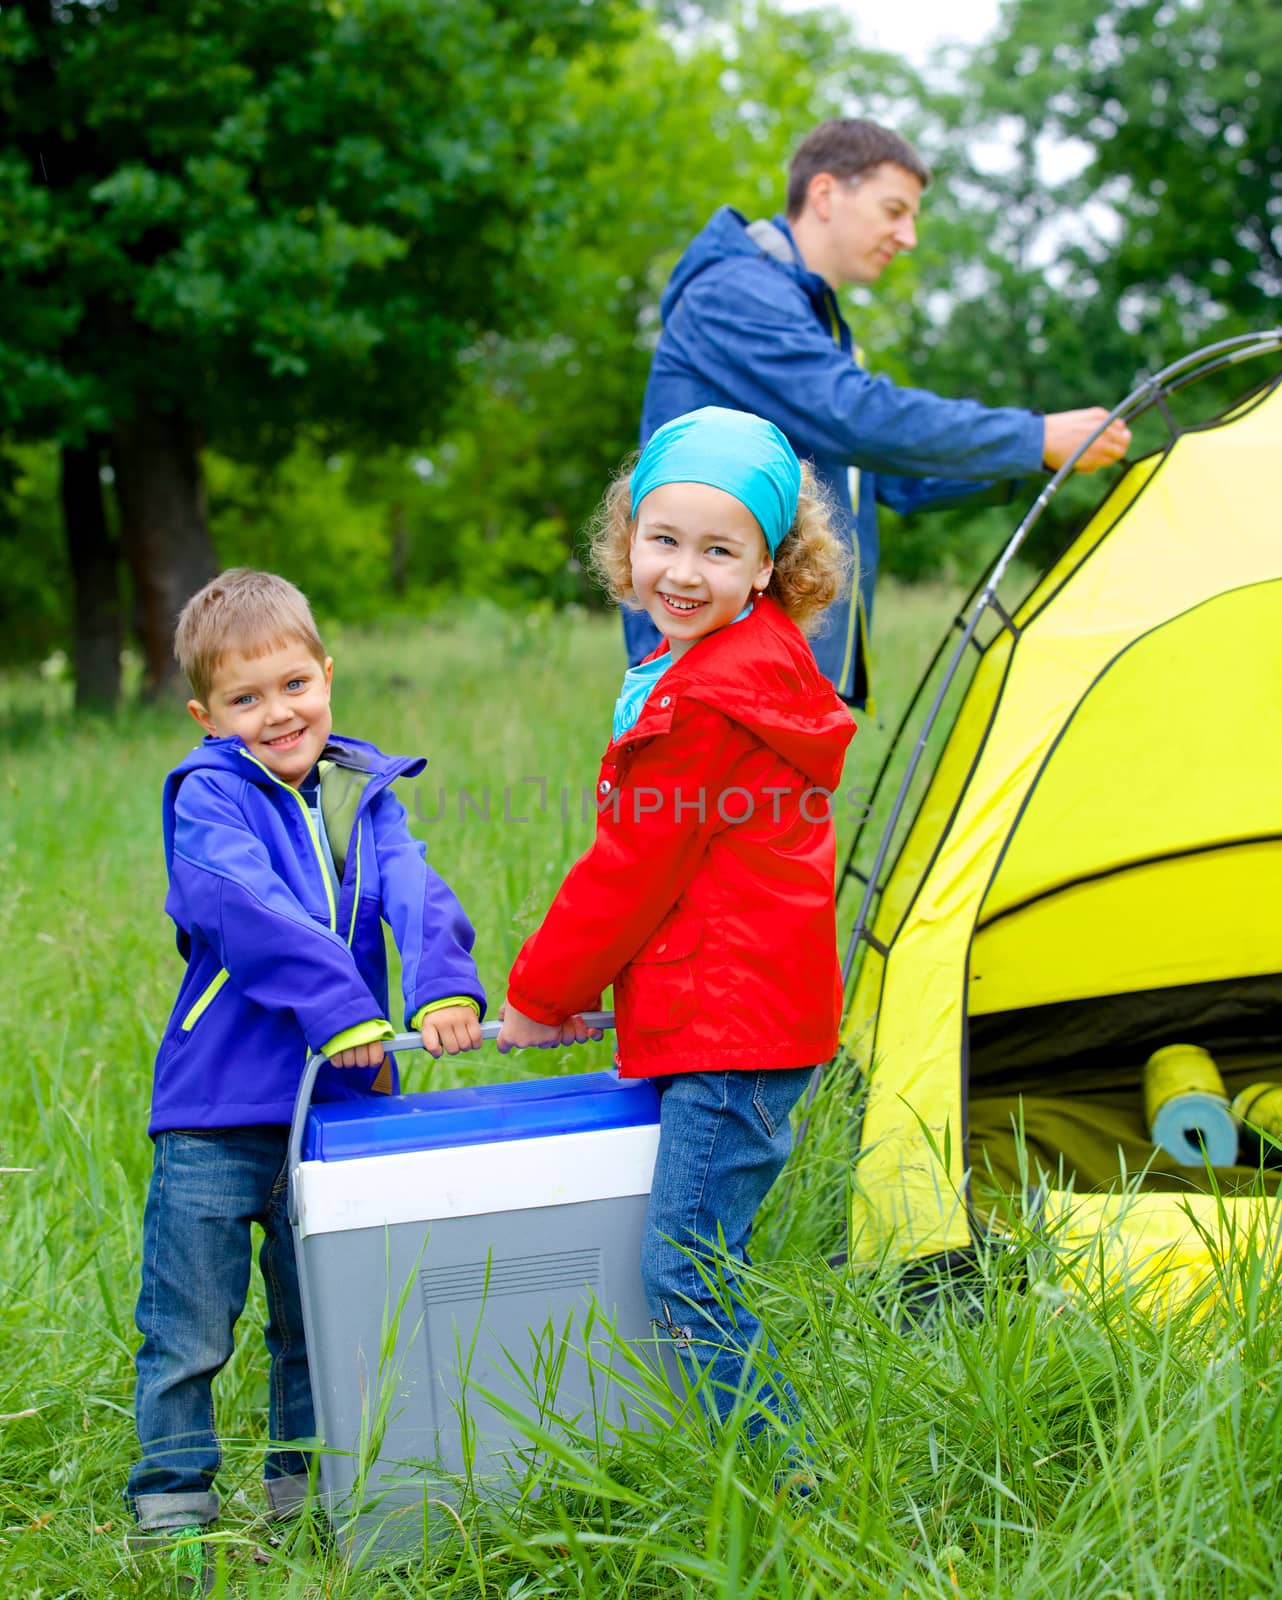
[707,897]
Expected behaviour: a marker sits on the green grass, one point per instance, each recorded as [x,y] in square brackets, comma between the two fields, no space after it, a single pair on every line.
[1055,1445]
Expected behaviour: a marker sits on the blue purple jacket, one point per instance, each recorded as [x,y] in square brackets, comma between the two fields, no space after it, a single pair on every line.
[747,325]
[277,963]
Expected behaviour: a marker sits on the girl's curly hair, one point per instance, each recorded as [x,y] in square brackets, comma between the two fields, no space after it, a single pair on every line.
[812,566]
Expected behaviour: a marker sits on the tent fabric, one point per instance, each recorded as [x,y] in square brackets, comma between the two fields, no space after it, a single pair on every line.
[1105,819]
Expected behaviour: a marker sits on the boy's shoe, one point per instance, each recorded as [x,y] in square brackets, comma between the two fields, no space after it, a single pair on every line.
[303,1534]
[295,1512]
[185,1553]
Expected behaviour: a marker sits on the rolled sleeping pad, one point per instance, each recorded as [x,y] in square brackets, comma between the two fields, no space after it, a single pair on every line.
[1186,1107]
[1257,1110]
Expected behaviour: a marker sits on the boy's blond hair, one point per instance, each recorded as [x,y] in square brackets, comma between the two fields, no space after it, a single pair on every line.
[241,609]
[811,566]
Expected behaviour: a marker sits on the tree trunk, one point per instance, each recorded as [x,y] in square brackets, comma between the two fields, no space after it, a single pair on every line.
[400,555]
[95,581]
[165,533]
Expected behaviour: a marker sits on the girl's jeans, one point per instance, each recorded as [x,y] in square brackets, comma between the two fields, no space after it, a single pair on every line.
[723,1139]
[206,1189]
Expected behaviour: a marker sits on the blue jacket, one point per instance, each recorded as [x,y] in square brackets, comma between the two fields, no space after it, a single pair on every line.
[277,964]
[746,325]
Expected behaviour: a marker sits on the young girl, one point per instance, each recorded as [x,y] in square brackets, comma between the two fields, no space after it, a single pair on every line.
[707,898]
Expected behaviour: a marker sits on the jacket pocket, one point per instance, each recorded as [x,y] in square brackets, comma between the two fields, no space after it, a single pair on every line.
[203,1000]
[659,989]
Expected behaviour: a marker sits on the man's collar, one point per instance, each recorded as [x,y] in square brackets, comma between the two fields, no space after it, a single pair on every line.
[774,239]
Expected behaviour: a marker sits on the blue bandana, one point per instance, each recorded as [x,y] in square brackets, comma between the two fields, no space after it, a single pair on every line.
[732,450]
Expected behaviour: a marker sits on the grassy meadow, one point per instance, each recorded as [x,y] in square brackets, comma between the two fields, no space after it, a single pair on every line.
[1040,1444]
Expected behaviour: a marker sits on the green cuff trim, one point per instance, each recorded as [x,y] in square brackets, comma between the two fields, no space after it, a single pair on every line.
[416,1021]
[362,1033]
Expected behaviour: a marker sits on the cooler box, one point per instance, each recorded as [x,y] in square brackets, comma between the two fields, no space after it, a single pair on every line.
[458,1245]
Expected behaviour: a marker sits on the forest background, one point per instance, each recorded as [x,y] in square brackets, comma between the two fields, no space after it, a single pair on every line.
[365,290]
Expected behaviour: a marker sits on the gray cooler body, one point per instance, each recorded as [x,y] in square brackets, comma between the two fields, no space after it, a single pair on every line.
[462,1253]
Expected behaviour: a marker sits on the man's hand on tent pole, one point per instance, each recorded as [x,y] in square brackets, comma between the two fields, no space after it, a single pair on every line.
[1065,430]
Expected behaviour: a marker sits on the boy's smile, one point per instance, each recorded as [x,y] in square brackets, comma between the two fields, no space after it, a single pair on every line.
[276,703]
[697,555]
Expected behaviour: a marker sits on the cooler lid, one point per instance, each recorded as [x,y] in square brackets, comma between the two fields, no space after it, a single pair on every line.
[343,1130]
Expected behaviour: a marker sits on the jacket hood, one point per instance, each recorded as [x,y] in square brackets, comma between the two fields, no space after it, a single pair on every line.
[762,673]
[725,235]
[230,756]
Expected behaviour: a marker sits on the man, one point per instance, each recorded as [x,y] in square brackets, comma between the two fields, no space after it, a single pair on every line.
[751,320]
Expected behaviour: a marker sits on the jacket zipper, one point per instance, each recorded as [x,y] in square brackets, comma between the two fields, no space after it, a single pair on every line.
[356,885]
[858,621]
[381,782]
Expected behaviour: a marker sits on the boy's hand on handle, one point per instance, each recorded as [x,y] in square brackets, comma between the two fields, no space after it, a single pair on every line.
[360,1055]
[520,1032]
[1063,431]
[451,1029]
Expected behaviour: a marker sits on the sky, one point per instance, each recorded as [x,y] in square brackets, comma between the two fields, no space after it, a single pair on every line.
[913,28]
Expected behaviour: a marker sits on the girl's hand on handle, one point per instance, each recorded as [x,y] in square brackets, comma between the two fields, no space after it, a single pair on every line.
[575,1031]
[451,1029]
[360,1055]
[520,1032]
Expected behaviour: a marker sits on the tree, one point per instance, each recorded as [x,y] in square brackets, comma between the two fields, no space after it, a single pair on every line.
[222,221]
[1166,229]
[1175,110]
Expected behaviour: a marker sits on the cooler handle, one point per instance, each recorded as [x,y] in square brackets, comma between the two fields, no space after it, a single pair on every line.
[402,1041]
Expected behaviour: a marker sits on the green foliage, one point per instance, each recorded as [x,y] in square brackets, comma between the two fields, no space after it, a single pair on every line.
[266,217]
[35,600]
[303,517]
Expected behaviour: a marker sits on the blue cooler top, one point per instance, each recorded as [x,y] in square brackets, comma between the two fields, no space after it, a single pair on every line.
[488,1113]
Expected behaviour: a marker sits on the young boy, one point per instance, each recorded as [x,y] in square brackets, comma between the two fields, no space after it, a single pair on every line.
[286,849]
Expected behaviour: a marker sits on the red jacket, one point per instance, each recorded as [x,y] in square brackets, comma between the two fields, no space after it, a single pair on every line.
[719,934]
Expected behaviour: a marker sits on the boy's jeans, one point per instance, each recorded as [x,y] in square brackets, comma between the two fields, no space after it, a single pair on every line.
[723,1139]
[206,1189]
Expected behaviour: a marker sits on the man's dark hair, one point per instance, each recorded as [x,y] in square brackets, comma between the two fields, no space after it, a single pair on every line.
[847,147]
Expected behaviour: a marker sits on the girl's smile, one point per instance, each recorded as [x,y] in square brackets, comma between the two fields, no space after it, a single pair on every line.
[698,555]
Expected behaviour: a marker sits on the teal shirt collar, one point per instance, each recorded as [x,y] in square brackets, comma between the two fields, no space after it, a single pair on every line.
[638,682]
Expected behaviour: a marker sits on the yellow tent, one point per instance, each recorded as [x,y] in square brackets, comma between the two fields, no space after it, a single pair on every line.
[1095,867]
